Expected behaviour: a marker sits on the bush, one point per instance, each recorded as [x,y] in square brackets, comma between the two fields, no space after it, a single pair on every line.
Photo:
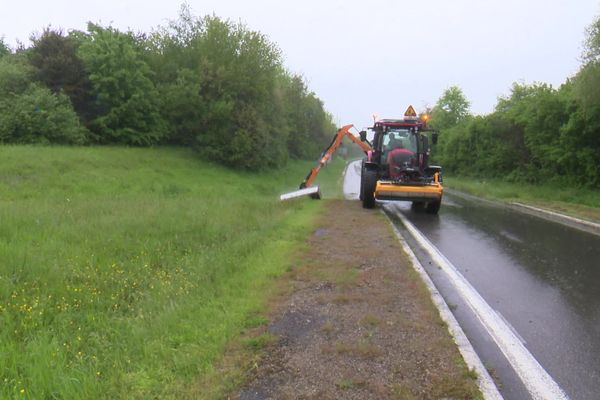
[39,116]
[15,76]
[30,113]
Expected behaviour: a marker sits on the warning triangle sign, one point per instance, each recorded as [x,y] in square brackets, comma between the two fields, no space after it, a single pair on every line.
[410,112]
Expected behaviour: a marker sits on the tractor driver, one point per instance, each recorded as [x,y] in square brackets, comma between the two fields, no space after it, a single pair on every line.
[398,157]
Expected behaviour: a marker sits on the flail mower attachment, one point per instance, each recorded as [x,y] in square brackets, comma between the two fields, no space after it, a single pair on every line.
[312,191]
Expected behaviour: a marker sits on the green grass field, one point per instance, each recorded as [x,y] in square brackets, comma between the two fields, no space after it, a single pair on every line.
[124,272]
[571,200]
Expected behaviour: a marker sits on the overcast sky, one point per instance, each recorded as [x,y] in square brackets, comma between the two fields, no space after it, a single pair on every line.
[365,57]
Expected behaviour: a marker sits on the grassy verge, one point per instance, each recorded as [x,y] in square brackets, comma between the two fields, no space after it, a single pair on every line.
[124,272]
[579,202]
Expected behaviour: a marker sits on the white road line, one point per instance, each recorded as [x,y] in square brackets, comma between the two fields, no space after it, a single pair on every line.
[512,328]
[484,380]
[535,378]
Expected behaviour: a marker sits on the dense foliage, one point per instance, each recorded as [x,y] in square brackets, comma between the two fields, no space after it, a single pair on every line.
[536,134]
[4,50]
[205,83]
[30,112]
[57,65]
[125,98]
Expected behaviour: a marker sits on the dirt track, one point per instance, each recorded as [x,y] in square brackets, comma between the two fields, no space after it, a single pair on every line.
[358,323]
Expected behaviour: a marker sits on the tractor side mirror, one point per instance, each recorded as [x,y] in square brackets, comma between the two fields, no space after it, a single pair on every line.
[363,136]
[434,137]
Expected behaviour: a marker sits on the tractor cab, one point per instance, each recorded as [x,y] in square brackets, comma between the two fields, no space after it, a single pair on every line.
[398,150]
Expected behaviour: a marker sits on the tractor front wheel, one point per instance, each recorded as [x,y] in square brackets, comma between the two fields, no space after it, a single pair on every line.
[433,207]
[368,183]
[417,206]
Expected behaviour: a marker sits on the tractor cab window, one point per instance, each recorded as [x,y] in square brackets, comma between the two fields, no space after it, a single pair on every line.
[399,138]
[400,151]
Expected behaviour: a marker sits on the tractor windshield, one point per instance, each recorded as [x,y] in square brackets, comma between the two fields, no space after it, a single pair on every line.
[399,138]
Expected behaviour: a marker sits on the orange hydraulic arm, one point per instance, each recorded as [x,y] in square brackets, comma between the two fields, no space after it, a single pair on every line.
[335,143]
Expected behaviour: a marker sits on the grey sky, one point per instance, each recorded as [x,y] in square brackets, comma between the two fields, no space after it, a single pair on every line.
[365,57]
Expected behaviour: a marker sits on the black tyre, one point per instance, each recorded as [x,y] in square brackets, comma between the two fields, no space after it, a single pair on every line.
[362,181]
[433,207]
[418,206]
[368,182]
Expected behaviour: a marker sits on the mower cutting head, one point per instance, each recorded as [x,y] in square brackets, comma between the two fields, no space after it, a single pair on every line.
[313,191]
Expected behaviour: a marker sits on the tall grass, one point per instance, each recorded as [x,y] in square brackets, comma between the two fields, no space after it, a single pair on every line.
[123,272]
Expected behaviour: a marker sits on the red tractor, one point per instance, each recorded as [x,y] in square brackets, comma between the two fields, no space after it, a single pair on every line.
[396,164]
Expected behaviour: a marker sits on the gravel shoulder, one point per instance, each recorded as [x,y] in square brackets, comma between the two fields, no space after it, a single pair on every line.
[356,322]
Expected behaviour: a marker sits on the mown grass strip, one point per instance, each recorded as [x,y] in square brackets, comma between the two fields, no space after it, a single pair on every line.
[124,272]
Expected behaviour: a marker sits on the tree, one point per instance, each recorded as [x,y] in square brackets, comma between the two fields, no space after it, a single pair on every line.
[57,65]
[224,90]
[535,134]
[587,80]
[126,99]
[581,134]
[591,44]
[4,49]
[451,109]
[309,126]
[207,83]
[239,69]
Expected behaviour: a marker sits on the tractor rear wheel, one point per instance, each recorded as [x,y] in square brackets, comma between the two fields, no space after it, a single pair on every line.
[362,181]
[368,183]
[433,207]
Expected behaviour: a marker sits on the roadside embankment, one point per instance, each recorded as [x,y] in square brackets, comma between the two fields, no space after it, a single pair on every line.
[124,272]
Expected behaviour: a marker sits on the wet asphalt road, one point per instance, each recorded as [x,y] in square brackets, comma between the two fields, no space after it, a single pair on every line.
[542,277]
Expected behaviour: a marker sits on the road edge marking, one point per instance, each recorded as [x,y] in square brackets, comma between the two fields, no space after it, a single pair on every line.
[484,380]
[549,215]
[558,215]
[536,379]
